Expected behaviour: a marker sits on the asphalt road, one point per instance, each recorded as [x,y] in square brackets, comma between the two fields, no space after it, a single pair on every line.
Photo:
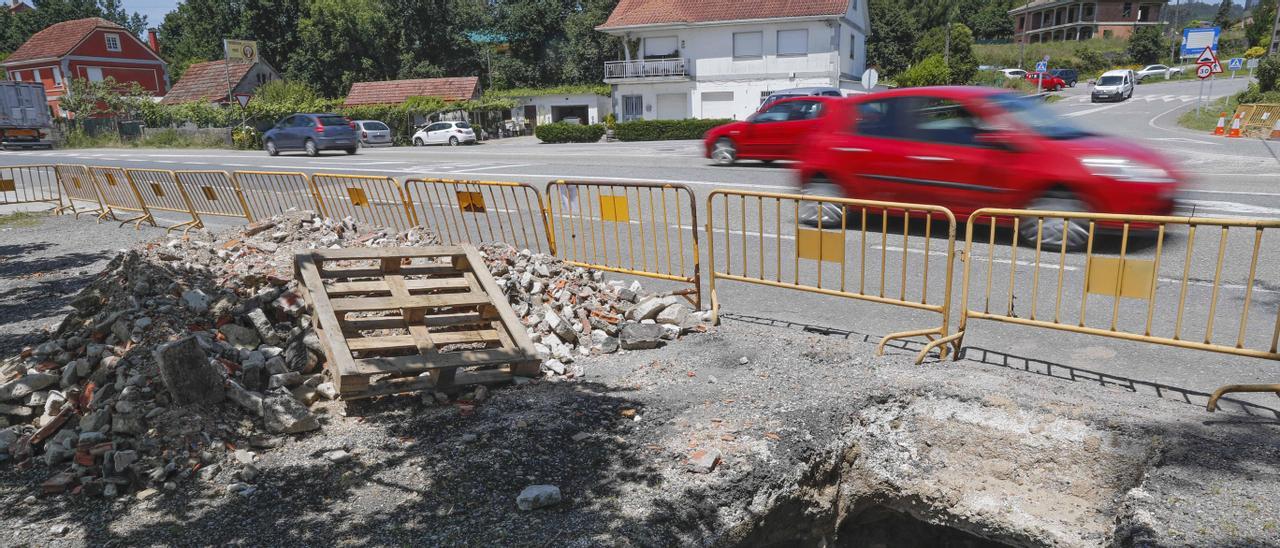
[1237,178]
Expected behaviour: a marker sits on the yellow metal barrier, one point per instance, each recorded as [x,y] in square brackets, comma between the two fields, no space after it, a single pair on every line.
[835,246]
[1199,297]
[373,201]
[268,193]
[119,194]
[642,229]
[480,211]
[214,193]
[160,190]
[1258,119]
[29,184]
[78,185]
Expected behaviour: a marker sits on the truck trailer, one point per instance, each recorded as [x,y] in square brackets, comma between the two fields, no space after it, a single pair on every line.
[25,121]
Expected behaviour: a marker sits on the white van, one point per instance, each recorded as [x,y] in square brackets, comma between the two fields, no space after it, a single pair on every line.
[1113,85]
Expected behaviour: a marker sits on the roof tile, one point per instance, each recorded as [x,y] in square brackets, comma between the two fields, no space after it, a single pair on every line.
[205,82]
[58,39]
[396,91]
[630,13]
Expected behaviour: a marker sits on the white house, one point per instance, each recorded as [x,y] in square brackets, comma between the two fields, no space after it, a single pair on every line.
[721,58]
[586,108]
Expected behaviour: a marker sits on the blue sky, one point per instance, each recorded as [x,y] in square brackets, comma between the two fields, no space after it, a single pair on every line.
[153,9]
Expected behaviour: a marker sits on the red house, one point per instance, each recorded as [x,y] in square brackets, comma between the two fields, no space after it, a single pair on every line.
[93,49]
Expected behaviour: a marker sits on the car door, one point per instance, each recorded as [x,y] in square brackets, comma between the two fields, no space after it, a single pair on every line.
[281,135]
[303,129]
[772,130]
[801,122]
[436,133]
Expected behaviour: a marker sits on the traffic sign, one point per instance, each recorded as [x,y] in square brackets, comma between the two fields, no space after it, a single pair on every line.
[1203,71]
[243,99]
[1042,66]
[1216,67]
[1194,40]
[1252,64]
[869,78]
[1235,63]
[1206,57]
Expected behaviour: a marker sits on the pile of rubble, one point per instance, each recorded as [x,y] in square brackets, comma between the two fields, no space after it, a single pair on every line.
[183,355]
[572,311]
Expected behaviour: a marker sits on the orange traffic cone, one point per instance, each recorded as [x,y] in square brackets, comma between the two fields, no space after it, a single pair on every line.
[1275,132]
[1235,126]
[1222,124]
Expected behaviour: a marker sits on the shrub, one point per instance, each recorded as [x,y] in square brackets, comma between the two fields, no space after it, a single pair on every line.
[932,71]
[246,138]
[665,130]
[1255,52]
[561,132]
[1269,74]
[1146,45]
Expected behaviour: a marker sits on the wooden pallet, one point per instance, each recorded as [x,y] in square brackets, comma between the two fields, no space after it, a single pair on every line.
[406,319]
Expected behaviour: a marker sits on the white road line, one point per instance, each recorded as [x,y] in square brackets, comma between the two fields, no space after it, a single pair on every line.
[1091,111]
[494,167]
[1239,192]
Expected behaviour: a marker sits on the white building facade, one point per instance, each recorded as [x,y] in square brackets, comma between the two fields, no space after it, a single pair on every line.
[699,65]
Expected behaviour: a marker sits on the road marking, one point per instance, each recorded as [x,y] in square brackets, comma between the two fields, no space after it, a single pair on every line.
[1091,111]
[1271,194]
[1183,140]
[492,167]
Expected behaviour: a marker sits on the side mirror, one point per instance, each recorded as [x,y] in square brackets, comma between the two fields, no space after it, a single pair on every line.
[999,140]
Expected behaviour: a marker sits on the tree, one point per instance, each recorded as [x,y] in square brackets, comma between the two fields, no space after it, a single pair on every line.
[1258,33]
[889,46]
[963,65]
[16,28]
[1146,45]
[341,42]
[931,71]
[1223,17]
[991,21]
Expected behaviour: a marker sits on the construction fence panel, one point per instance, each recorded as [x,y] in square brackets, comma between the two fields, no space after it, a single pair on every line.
[480,211]
[1186,282]
[1258,119]
[886,253]
[161,191]
[372,201]
[81,191]
[268,193]
[119,194]
[29,184]
[643,229]
[214,193]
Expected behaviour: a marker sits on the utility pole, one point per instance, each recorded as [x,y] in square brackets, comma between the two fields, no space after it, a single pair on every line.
[946,55]
[1173,58]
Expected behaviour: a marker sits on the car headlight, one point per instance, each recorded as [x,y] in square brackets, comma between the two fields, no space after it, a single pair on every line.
[1124,169]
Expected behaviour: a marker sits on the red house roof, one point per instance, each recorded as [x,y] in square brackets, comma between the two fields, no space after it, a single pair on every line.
[635,13]
[396,91]
[205,82]
[59,39]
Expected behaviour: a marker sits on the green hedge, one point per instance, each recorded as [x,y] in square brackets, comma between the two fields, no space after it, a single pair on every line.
[561,132]
[665,130]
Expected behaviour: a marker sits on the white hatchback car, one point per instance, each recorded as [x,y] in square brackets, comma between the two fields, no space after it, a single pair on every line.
[1159,71]
[445,133]
[1013,73]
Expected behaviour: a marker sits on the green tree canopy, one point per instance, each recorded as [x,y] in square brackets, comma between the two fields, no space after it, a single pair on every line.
[1146,45]
[893,35]
[963,65]
[1258,33]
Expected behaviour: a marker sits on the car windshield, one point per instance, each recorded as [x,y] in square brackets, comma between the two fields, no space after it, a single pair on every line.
[1032,113]
[463,125]
[376,126]
[1110,80]
[333,121]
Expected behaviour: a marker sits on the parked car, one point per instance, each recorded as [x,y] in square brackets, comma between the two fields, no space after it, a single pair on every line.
[445,133]
[970,147]
[311,133]
[1014,73]
[1066,75]
[1113,85]
[373,133]
[1048,82]
[801,92]
[772,133]
[1162,71]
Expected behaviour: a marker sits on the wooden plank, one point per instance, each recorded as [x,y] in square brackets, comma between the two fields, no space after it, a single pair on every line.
[341,361]
[403,365]
[343,289]
[434,320]
[418,384]
[372,304]
[509,319]
[384,252]
[400,342]
[375,272]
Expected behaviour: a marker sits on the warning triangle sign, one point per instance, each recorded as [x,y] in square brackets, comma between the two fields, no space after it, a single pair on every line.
[1216,67]
[1206,57]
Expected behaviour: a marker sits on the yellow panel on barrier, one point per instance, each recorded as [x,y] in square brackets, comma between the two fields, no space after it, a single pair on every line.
[372,201]
[614,209]
[8,185]
[26,184]
[78,186]
[1134,282]
[820,245]
[480,211]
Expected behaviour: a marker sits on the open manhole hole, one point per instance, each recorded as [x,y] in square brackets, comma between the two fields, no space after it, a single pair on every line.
[881,527]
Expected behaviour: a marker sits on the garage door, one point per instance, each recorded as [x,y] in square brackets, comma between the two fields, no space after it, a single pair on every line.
[673,106]
[717,104]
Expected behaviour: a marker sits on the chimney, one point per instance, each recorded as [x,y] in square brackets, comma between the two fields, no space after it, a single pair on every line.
[152,40]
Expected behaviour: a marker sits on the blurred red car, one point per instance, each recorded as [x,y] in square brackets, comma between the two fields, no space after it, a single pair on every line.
[770,134]
[969,147]
[1048,82]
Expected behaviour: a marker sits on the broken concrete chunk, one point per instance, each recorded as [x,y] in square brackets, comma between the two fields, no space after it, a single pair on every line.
[240,336]
[676,314]
[538,496]
[703,461]
[24,386]
[187,373]
[195,300]
[251,401]
[283,414]
[649,308]
[637,336]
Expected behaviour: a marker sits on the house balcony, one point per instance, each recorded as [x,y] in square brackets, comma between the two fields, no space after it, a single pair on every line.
[674,69]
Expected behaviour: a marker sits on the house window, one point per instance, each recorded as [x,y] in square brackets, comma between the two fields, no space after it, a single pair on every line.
[662,47]
[57,76]
[853,47]
[748,45]
[1127,11]
[17,76]
[1144,13]
[36,74]
[793,42]
[632,107]
[113,42]
[94,73]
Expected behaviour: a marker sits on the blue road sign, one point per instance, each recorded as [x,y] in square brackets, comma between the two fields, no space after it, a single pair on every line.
[1236,63]
[1042,66]
[1195,40]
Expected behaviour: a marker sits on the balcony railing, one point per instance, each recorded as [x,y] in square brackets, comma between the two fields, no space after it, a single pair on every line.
[646,68]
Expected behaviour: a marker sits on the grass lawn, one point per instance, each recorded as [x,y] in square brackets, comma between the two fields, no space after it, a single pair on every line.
[21,218]
[1207,119]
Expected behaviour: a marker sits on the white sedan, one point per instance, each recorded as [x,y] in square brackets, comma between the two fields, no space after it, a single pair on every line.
[1161,71]
[445,133]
